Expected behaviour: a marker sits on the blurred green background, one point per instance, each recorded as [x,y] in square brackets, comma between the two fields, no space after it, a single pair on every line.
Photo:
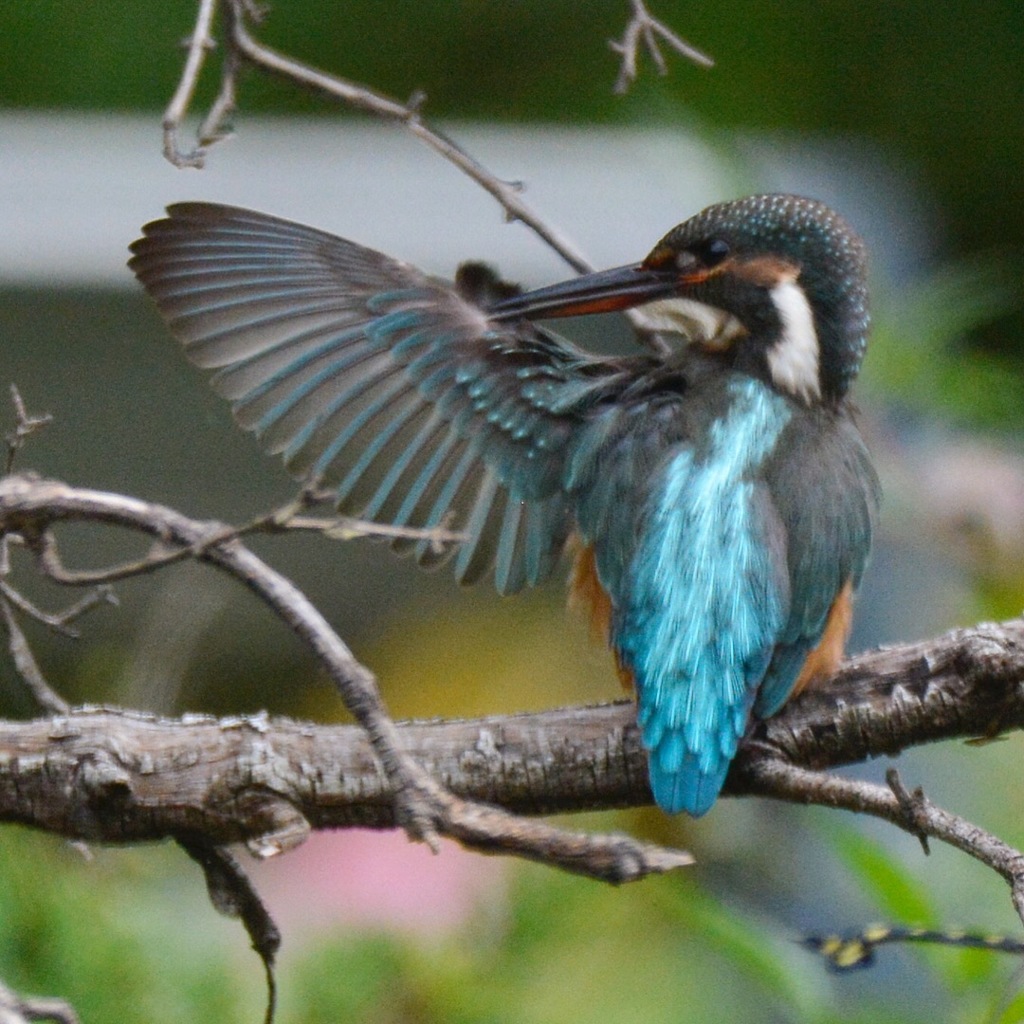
[925,98]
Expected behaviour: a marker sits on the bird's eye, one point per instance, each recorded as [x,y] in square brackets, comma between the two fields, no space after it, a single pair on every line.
[713,251]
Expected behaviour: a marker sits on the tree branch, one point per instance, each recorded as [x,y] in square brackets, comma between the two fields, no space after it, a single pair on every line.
[417,803]
[241,47]
[116,776]
[967,683]
[266,781]
[198,45]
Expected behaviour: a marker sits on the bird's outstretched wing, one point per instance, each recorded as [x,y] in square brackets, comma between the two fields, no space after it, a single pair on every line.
[379,383]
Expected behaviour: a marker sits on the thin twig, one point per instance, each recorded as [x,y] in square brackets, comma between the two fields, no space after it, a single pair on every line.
[214,127]
[232,894]
[643,28]
[280,520]
[409,116]
[59,622]
[26,665]
[912,805]
[199,44]
[774,777]
[289,517]
[24,427]
[162,555]
[347,528]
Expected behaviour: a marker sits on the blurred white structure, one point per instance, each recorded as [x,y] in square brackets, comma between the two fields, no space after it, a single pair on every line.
[74,190]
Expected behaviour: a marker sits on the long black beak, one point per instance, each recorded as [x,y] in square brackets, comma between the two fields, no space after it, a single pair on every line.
[603,292]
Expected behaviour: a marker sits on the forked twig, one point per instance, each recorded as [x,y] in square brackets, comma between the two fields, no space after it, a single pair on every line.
[241,46]
[646,30]
[199,44]
[59,622]
[24,427]
[912,812]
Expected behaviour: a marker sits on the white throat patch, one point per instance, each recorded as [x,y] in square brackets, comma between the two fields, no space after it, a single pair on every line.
[793,359]
[697,322]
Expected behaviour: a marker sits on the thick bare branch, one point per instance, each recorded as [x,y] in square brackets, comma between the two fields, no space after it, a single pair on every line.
[965,683]
[117,776]
[420,806]
[269,783]
[542,763]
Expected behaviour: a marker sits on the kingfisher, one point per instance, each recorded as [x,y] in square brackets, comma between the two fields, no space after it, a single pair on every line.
[718,501]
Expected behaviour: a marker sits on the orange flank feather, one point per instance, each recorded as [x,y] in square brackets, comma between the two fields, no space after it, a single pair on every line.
[823,661]
[586,595]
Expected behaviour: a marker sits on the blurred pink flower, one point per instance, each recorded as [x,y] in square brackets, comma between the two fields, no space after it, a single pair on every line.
[376,880]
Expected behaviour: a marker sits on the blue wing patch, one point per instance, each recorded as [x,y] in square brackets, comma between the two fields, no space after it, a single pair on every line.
[380,383]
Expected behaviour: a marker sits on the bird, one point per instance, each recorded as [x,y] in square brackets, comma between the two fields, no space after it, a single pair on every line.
[717,502]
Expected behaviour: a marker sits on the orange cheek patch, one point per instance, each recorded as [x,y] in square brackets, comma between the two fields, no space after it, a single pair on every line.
[823,661]
[586,595]
[659,258]
[766,271]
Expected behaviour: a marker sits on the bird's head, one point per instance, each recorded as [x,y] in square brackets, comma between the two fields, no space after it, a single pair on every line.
[775,284]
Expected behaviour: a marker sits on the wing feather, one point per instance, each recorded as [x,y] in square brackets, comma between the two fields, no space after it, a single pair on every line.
[376,381]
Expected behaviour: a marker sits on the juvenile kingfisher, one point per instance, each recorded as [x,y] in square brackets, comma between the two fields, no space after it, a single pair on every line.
[718,502]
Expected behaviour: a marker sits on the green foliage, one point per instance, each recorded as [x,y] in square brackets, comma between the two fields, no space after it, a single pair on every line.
[919,355]
[970,976]
[91,931]
[1009,1010]
[128,937]
[882,877]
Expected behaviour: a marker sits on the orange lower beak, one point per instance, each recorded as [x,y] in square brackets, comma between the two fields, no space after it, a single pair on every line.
[602,292]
